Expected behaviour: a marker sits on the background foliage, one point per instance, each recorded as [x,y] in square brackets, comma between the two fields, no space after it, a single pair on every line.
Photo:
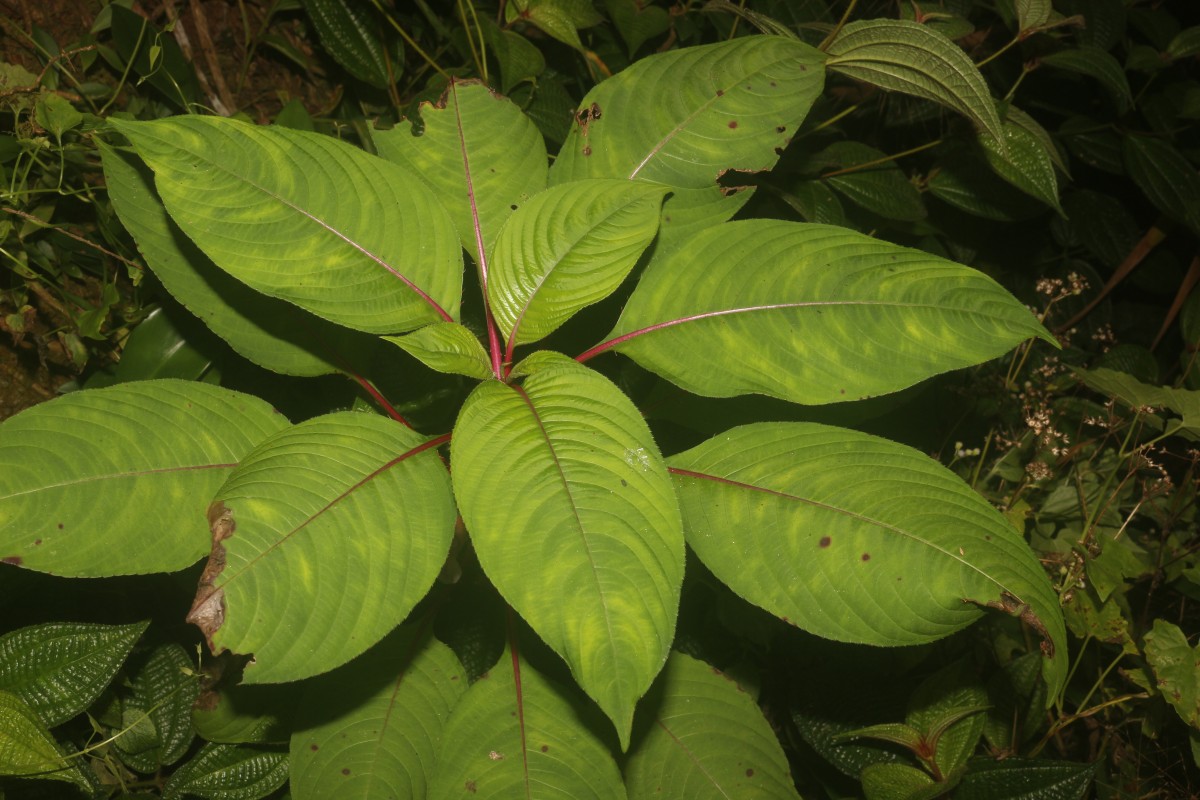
[1069,175]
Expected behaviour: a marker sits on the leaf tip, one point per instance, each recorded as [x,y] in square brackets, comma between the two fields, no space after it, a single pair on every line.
[208,609]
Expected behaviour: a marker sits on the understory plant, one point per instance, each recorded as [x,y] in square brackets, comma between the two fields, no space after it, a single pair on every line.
[471,585]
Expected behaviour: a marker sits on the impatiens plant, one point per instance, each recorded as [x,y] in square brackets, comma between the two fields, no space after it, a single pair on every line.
[312,256]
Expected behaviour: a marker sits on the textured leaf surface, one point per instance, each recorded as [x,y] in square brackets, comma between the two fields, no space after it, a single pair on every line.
[1098,64]
[573,517]
[904,56]
[59,668]
[685,117]
[1023,161]
[707,739]
[1176,665]
[567,248]
[478,154]
[229,772]
[323,540]
[164,688]
[883,188]
[115,481]
[1025,779]
[446,347]
[349,34]
[1166,177]
[307,219]
[1031,13]
[858,539]
[27,749]
[272,333]
[380,721]
[812,314]
[517,734]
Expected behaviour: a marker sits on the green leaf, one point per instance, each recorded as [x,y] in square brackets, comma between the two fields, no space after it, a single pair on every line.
[1185,44]
[894,732]
[478,153]
[349,34]
[814,202]
[323,539]
[882,188]
[858,539]
[946,708]
[271,333]
[60,668]
[1102,224]
[1166,177]
[704,738]
[28,750]
[1132,392]
[164,689]
[686,117]
[519,59]
[1174,663]
[229,772]
[115,481]
[637,21]
[1032,13]
[446,347]
[568,247]
[560,19]
[246,714]
[170,72]
[1025,779]
[811,314]
[1095,63]
[904,56]
[307,219]
[898,782]
[1017,117]
[1022,160]
[56,115]
[376,724]
[560,471]
[966,181]
[518,734]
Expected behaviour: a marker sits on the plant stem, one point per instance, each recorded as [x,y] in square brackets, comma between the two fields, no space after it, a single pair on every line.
[828,40]
[868,164]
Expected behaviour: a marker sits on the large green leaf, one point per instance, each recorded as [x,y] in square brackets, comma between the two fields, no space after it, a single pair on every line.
[812,314]
[686,117]
[323,539]
[59,668]
[269,332]
[706,739]
[567,248]
[1166,177]
[518,735]
[858,539]
[28,750]
[115,481]
[477,152]
[573,518]
[377,722]
[905,56]
[308,219]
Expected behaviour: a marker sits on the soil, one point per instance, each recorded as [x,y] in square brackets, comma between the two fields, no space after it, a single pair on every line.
[236,74]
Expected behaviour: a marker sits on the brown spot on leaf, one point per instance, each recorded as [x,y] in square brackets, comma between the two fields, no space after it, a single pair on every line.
[720,92]
[471,787]
[60,526]
[825,541]
[207,701]
[314,747]
[587,149]
[545,748]
[345,770]
[866,556]
[749,773]
[14,560]
[36,542]
[585,117]
[733,123]
[208,609]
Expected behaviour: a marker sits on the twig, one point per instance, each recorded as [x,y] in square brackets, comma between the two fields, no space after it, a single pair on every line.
[210,57]
[75,236]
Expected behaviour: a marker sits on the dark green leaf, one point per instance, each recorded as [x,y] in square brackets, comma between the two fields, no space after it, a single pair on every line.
[349,34]
[164,689]
[1095,63]
[59,668]
[1168,179]
[28,750]
[229,772]
[1025,779]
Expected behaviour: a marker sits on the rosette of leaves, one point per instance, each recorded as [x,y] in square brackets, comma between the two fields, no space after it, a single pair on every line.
[324,534]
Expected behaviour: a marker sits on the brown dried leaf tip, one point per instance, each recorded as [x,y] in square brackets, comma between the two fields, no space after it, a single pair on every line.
[1011,605]
[208,609]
